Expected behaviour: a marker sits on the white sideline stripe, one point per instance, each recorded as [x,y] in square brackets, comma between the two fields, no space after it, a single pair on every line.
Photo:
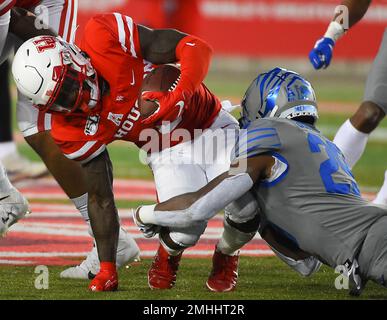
[15,254]
[128,183]
[60,196]
[146,253]
[15,262]
[72,230]
[121,30]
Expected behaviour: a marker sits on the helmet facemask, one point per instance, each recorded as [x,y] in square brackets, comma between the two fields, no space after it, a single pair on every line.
[76,88]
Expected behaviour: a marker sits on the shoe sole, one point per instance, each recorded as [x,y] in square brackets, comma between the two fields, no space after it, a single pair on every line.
[214,290]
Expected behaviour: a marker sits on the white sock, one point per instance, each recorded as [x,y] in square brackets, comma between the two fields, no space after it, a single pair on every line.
[381,197]
[351,142]
[232,240]
[7,148]
[171,252]
[5,184]
[81,204]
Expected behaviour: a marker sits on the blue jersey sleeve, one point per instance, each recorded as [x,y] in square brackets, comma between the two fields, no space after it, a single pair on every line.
[259,137]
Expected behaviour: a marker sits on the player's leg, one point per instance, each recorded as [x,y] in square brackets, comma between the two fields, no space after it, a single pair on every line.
[174,175]
[353,135]
[372,257]
[240,226]
[241,223]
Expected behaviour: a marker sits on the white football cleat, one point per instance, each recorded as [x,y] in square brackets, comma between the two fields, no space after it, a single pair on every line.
[18,167]
[13,207]
[127,252]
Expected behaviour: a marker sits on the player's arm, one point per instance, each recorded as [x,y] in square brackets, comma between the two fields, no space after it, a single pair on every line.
[102,209]
[161,46]
[4,26]
[188,209]
[321,54]
[26,25]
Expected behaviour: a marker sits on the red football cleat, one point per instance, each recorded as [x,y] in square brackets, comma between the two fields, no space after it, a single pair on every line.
[224,273]
[106,279]
[162,274]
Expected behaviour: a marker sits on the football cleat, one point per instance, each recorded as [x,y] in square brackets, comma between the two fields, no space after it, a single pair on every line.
[149,230]
[127,252]
[19,167]
[13,207]
[356,282]
[162,274]
[104,281]
[305,267]
[224,273]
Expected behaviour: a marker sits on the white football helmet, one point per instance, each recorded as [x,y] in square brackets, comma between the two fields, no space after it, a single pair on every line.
[55,75]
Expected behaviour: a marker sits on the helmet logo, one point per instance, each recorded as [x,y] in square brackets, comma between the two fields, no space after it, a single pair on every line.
[44,43]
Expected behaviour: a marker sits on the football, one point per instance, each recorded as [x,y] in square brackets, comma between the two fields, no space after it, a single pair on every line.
[161,79]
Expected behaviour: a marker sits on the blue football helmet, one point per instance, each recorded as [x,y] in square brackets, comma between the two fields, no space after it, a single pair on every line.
[279,93]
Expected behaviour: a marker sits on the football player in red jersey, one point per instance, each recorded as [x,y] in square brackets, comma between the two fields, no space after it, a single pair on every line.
[36,125]
[93,98]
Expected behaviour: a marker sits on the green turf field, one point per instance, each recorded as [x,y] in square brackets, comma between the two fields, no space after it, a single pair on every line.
[260,278]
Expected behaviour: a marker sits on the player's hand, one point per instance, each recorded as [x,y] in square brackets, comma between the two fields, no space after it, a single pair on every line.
[170,105]
[148,230]
[321,54]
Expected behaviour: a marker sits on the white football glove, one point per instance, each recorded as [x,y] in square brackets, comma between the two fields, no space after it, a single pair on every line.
[148,230]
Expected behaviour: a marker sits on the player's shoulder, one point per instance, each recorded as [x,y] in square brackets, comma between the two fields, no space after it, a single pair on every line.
[260,136]
[113,21]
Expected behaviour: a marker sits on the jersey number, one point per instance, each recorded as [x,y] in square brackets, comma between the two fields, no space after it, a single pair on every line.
[334,163]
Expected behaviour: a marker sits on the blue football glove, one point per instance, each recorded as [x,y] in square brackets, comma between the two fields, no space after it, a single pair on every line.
[321,54]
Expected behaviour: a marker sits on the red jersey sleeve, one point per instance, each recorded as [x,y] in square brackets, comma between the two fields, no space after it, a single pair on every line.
[6,5]
[82,151]
[111,39]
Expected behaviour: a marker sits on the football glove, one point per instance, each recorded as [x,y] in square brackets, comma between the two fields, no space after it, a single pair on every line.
[321,54]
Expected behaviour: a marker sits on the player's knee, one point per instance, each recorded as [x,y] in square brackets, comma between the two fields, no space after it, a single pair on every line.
[249,226]
[367,117]
[189,238]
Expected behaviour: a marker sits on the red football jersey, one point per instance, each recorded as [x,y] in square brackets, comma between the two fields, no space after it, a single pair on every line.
[6,5]
[27,4]
[112,43]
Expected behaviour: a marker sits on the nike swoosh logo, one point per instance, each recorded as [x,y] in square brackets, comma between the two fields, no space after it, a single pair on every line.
[1,199]
[180,104]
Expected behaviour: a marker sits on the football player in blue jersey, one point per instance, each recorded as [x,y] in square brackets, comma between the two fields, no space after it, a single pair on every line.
[297,184]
